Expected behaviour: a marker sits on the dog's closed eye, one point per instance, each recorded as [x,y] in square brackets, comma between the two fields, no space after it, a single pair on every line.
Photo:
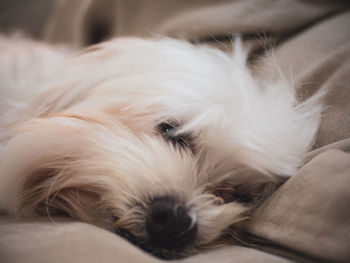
[251,193]
[230,194]
[168,132]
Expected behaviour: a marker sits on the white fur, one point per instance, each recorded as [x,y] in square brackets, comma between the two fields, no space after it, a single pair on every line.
[90,120]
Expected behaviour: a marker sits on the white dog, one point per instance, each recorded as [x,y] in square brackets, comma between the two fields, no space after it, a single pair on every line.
[166,143]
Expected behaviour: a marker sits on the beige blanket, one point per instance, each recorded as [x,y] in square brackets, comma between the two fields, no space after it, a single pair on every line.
[308,218]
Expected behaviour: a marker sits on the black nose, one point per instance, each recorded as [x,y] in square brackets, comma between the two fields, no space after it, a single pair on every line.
[169,225]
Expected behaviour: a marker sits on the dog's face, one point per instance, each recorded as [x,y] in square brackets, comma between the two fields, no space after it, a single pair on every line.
[163,142]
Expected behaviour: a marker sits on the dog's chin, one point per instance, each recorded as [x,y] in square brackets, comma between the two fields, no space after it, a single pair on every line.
[154,249]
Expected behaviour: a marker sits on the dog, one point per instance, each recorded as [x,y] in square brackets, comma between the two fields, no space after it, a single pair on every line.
[169,144]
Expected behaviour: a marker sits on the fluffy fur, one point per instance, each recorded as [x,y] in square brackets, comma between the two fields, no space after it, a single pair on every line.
[79,134]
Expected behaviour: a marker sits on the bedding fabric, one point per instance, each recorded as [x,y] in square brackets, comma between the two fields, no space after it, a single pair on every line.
[305,220]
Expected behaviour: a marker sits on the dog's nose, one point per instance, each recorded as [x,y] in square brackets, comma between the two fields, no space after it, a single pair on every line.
[169,225]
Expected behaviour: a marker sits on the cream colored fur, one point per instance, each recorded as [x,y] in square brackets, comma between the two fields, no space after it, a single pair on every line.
[78,132]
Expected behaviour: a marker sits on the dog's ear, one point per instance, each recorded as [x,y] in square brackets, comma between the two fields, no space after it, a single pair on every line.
[50,192]
[37,170]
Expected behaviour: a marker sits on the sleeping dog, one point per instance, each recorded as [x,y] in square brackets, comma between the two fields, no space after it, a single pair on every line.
[167,143]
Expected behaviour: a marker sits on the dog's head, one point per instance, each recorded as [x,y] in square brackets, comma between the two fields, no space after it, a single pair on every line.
[165,143]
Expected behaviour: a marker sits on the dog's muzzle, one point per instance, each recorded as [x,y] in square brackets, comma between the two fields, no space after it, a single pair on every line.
[169,225]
